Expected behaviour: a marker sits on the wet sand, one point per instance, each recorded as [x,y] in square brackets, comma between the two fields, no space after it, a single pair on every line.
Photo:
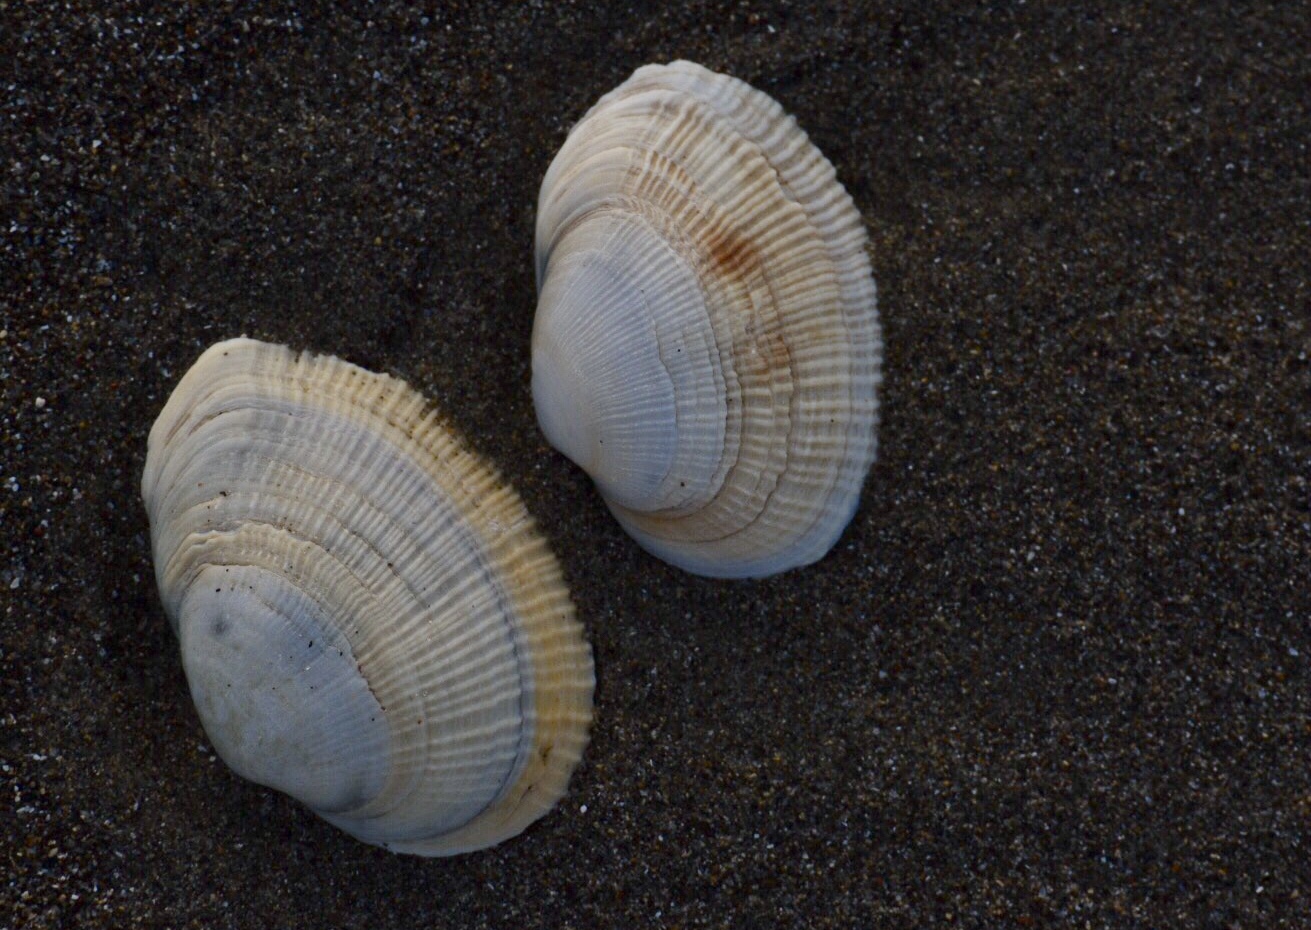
[1054,674]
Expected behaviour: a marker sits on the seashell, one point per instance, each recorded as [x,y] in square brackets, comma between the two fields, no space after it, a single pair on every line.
[368,619]
[706,344]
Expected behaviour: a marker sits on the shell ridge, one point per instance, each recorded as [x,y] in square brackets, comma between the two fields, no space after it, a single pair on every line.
[328,515]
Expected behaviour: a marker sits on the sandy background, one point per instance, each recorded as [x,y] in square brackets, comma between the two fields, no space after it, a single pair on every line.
[1054,674]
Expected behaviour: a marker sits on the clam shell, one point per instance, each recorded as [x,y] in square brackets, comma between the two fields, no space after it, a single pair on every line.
[706,344]
[368,619]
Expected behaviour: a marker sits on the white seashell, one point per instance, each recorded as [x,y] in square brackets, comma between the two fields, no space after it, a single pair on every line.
[707,345]
[368,619]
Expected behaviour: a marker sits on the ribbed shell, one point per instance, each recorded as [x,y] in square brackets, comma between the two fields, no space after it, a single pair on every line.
[368,619]
[707,344]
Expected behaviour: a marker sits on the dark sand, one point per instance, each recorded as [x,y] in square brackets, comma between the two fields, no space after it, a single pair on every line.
[1056,673]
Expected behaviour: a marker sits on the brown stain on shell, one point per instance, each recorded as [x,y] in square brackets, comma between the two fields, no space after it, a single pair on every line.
[734,257]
